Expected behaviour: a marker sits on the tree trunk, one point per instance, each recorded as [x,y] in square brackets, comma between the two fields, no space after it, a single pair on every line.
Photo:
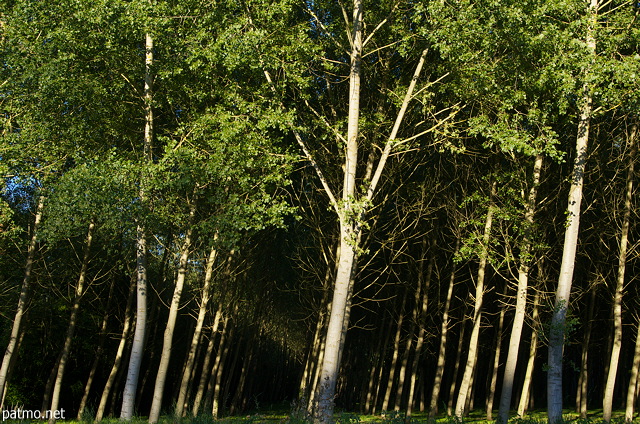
[348,234]
[426,279]
[223,351]
[581,398]
[126,328]
[521,296]
[607,403]
[444,329]
[205,366]
[376,368]
[137,349]
[394,358]
[161,377]
[98,357]
[632,390]
[563,291]
[496,362]
[533,348]
[465,386]
[456,366]
[66,348]
[195,340]
[407,350]
[22,300]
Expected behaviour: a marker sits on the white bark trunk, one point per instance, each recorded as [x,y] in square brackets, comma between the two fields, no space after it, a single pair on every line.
[137,349]
[348,233]
[563,291]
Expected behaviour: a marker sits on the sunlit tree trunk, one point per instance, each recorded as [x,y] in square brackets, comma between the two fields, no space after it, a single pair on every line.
[137,349]
[348,233]
[126,328]
[563,290]
[472,350]
[195,340]
[167,342]
[533,349]
[66,348]
[521,296]
[632,390]
[496,363]
[456,365]
[607,403]
[22,300]
[205,366]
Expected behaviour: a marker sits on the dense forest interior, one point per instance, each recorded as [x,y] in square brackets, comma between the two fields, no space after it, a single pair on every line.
[219,207]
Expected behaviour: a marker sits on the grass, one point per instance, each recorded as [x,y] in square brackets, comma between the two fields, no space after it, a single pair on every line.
[298,416]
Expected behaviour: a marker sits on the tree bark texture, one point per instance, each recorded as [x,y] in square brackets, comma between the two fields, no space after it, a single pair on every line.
[137,349]
[558,321]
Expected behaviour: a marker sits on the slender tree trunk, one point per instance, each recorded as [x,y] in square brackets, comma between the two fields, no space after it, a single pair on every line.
[521,296]
[456,365]
[496,362]
[376,368]
[126,328]
[465,386]
[632,390]
[167,343]
[407,350]
[195,340]
[223,351]
[563,291]
[137,349]
[22,300]
[205,366]
[533,348]
[98,357]
[394,358]
[66,348]
[92,371]
[48,386]
[607,403]
[426,279]
[581,398]
[444,330]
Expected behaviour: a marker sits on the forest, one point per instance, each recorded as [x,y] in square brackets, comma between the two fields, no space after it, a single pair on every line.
[399,208]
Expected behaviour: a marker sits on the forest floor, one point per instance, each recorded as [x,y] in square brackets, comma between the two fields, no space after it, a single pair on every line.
[394,417]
